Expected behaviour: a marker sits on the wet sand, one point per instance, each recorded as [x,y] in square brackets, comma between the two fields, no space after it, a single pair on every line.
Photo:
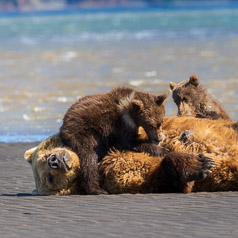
[148,215]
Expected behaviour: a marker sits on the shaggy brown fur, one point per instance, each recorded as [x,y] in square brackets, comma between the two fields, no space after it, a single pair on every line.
[96,123]
[56,170]
[198,135]
[193,99]
[216,139]
[131,172]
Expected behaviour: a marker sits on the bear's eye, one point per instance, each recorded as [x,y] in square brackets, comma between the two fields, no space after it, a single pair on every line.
[50,178]
[184,99]
[151,127]
[159,125]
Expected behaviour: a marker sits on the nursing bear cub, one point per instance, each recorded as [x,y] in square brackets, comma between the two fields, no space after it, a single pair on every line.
[132,172]
[96,123]
[193,99]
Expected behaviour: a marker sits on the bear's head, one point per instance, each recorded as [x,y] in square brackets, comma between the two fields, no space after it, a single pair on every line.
[190,97]
[147,111]
[55,168]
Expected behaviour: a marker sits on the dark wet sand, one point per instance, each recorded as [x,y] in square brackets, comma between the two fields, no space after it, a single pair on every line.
[151,215]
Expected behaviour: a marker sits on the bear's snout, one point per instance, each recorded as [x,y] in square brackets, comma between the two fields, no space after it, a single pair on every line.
[53,162]
[156,140]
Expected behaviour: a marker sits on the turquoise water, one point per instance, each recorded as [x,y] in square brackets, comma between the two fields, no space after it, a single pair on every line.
[48,60]
[61,30]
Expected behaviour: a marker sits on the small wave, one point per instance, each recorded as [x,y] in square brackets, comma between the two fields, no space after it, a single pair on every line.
[68,56]
[137,83]
[64,99]
[26,117]
[150,74]
[39,109]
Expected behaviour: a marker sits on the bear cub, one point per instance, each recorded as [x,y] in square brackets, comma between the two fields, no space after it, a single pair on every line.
[192,98]
[98,122]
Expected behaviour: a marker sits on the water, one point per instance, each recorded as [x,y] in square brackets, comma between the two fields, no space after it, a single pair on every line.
[49,60]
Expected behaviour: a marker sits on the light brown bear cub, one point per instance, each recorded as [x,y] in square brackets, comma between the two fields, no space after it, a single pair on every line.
[98,122]
[56,170]
[192,98]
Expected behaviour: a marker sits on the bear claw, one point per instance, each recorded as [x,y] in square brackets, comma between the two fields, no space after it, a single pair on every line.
[203,169]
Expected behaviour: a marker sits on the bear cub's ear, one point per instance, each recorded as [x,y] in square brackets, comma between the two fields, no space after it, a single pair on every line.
[194,80]
[172,85]
[137,105]
[28,154]
[160,99]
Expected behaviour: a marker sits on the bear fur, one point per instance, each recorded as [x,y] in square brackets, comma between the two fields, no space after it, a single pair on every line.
[193,99]
[216,139]
[196,135]
[131,172]
[54,178]
[56,170]
[98,122]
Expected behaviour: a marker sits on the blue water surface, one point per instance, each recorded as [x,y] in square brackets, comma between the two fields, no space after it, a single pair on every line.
[50,58]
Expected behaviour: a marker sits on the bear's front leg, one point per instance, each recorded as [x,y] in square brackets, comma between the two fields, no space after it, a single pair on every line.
[90,175]
[182,169]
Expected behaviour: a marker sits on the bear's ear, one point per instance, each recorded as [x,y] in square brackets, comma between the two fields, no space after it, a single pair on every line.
[160,99]
[28,154]
[172,85]
[194,80]
[137,105]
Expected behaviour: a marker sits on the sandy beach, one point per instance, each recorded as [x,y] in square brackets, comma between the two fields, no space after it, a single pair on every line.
[147,215]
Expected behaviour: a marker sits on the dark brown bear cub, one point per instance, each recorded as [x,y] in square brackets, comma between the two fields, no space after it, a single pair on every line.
[96,123]
[193,99]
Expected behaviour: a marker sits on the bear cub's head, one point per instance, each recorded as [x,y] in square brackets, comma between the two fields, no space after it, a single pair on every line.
[147,111]
[193,99]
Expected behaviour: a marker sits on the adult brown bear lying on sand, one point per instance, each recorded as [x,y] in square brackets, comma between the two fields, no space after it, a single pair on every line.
[56,168]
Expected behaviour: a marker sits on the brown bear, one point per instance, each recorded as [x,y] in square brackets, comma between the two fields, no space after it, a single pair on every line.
[131,172]
[56,170]
[192,98]
[98,122]
[216,139]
